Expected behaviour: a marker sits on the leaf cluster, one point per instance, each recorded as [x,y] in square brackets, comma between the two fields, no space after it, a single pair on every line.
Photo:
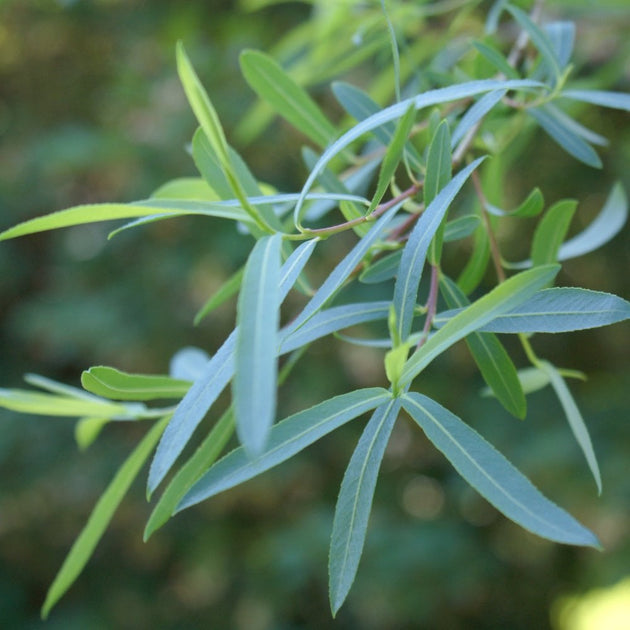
[392,175]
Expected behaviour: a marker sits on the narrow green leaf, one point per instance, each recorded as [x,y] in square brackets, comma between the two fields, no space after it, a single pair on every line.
[562,38]
[258,318]
[415,251]
[111,383]
[101,516]
[531,206]
[494,362]
[208,119]
[205,455]
[393,155]
[383,269]
[355,502]
[488,472]
[201,105]
[502,299]
[574,417]
[496,58]
[555,310]
[186,188]
[551,231]
[216,374]
[290,100]
[565,136]
[614,100]
[26,401]
[331,320]
[286,438]
[604,227]
[461,227]
[475,114]
[87,430]
[539,39]
[229,288]
[474,270]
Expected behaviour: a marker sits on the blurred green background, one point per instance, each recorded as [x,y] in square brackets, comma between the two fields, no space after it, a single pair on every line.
[91,110]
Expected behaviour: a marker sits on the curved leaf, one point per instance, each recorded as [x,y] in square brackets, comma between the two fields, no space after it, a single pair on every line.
[486,470]
[286,438]
[503,298]
[355,502]
[100,517]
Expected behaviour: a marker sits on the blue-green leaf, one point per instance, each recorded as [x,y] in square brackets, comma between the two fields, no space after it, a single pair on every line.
[565,136]
[215,376]
[286,438]
[256,368]
[551,230]
[290,100]
[494,362]
[461,227]
[383,269]
[355,502]
[497,59]
[502,299]
[603,228]
[486,470]
[415,251]
[562,38]
[539,39]
[475,113]
[331,320]
[614,100]
[205,455]
[100,518]
[555,310]
[574,417]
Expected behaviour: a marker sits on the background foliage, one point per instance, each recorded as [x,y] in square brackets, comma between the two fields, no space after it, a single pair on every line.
[91,110]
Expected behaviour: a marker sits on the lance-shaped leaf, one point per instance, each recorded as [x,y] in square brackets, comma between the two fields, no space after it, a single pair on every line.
[494,362]
[574,417]
[290,100]
[551,230]
[26,401]
[486,470]
[205,455]
[562,38]
[112,383]
[604,227]
[393,112]
[355,502]
[208,119]
[556,310]
[565,135]
[258,317]
[94,213]
[502,299]
[485,104]
[286,438]
[100,518]
[393,155]
[331,320]
[415,251]
[614,100]
[229,288]
[383,269]
[496,58]
[86,430]
[215,376]
[531,206]
[461,227]
[474,270]
[195,188]
[539,38]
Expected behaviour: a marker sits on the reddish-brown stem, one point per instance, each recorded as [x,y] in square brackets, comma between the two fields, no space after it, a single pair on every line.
[494,246]
[431,304]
